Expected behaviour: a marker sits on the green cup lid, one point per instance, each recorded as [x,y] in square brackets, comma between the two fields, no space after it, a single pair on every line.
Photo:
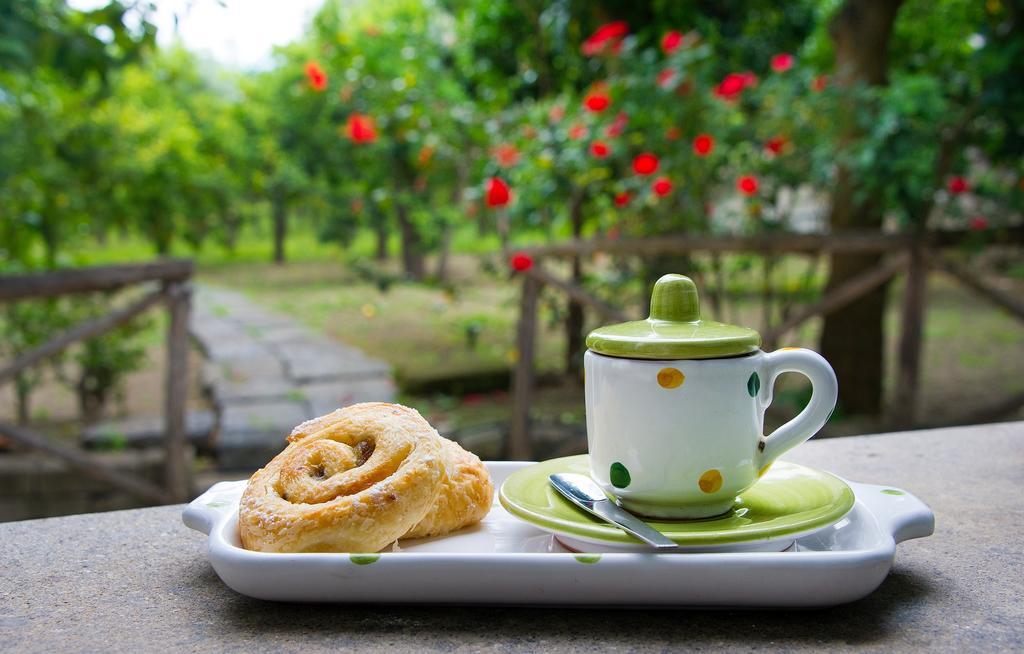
[674,329]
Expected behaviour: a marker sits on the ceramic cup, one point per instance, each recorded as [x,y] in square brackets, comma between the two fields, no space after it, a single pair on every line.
[682,438]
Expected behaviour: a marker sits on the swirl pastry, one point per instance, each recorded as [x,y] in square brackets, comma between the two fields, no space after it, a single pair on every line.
[358,479]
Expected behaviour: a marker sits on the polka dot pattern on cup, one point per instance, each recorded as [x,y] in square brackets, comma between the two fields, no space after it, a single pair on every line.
[619,475]
[753,384]
[710,481]
[670,378]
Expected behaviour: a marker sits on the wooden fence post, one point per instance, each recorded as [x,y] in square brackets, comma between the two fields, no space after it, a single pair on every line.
[179,304]
[904,410]
[520,447]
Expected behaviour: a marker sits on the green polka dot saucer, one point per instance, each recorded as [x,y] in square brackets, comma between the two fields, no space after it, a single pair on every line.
[788,502]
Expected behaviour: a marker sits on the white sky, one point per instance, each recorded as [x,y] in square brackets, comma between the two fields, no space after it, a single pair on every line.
[237,33]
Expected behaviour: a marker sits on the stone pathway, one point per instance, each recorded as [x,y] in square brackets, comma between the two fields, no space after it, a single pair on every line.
[266,373]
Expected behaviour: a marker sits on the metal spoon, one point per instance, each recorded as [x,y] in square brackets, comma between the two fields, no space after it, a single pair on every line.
[586,494]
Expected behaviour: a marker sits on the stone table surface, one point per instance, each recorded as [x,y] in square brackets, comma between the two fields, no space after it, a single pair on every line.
[139,580]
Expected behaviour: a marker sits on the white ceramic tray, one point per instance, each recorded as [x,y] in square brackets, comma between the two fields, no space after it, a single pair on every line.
[506,561]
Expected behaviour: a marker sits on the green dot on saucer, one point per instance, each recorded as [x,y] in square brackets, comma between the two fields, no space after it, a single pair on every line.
[364,559]
[588,558]
[893,491]
[753,384]
[619,475]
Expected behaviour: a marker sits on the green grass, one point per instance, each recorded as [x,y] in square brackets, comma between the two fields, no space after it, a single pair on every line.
[255,246]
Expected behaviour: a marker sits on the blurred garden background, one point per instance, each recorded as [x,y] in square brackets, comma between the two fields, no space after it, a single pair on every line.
[382,187]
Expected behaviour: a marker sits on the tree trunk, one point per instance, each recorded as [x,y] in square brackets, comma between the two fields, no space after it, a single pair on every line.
[412,243]
[461,175]
[162,242]
[444,255]
[574,317]
[48,229]
[381,230]
[23,392]
[232,226]
[853,338]
[280,215]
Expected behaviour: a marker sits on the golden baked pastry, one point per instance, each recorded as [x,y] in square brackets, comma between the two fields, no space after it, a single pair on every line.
[465,496]
[358,479]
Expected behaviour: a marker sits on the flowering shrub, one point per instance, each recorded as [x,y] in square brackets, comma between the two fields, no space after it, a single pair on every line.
[664,139]
[661,133]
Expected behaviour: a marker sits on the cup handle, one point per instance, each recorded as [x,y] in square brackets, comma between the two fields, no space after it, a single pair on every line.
[824,393]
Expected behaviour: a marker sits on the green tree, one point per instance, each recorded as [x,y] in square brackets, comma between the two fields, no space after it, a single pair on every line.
[926,88]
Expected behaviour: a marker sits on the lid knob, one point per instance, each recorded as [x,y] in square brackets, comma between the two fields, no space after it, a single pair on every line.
[674,299]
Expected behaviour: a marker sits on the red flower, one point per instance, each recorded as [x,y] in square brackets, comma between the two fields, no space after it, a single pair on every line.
[731,86]
[673,133]
[507,155]
[520,261]
[425,155]
[617,126]
[819,83]
[775,145]
[747,185]
[782,62]
[666,78]
[703,145]
[497,192]
[979,223]
[749,79]
[958,185]
[599,149]
[317,76]
[577,131]
[360,128]
[608,37]
[622,199]
[597,100]
[671,41]
[662,186]
[645,164]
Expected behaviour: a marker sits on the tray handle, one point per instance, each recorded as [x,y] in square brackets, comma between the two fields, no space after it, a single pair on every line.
[203,512]
[899,512]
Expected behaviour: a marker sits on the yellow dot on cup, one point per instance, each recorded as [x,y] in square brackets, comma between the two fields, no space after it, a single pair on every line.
[760,473]
[670,378]
[710,481]
[784,349]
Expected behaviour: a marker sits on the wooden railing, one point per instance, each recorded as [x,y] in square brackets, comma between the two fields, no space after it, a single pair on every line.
[170,287]
[912,255]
